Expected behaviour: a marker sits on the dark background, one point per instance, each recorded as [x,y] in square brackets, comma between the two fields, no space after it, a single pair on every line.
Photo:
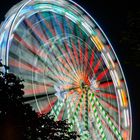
[120,20]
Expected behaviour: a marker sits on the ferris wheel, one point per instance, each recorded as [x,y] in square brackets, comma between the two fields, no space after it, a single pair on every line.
[69,67]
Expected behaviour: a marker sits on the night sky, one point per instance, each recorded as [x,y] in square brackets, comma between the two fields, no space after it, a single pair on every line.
[114,18]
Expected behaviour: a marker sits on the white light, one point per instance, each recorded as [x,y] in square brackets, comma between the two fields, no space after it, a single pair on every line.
[120,97]
[127,115]
[113,78]
[9,22]
[87,27]
[105,60]
[125,118]
[70,16]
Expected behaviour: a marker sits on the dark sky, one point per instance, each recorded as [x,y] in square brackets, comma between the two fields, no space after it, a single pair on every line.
[113,16]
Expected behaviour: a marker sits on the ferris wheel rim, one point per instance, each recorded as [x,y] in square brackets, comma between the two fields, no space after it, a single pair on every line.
[107,42]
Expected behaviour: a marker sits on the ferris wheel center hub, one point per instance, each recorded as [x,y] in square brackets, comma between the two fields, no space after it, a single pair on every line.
[84,87]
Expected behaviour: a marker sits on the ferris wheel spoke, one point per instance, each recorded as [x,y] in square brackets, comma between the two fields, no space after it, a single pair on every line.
[57,25]
[72,58]
[51,73]
[75,51]
[85,134]
[42,25]
[32,97]
[74,118]
[73,110]
[62,71]
[65,27]
[51,102]
[107,130]
[53,67]
[68,45]
[81,54]
[43,103]
[102,74]
[26,66]
[62,77]
[37,88]
[107,118]
[32,48]
[91,61]
[73,42]
[86,112]
[108,105]
[66,73]
[61,114]
[36,32]
[106,95]
[98,64]
[67,62]
[62,62]
[54,72]
[105,84]
[70,25]
[97,118]
[39,28]
[69,110]
[34,91]
[30,81]
[56,109]
[86,56]
[48,26]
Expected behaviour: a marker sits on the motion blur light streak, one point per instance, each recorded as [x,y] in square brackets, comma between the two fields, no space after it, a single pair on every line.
[69,67]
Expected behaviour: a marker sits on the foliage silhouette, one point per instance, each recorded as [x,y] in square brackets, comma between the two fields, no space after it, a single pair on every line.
[18,121]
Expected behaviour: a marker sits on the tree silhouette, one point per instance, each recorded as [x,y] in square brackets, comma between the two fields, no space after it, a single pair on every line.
[18,121]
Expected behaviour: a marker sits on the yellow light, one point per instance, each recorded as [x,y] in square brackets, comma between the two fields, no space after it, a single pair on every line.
[124,98]
[98,43]
[125,135]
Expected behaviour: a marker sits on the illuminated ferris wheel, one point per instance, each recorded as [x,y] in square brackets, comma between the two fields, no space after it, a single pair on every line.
[69,67]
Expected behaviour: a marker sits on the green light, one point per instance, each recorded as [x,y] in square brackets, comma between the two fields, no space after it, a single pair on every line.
[105,115]
[74,118]
[99,125]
